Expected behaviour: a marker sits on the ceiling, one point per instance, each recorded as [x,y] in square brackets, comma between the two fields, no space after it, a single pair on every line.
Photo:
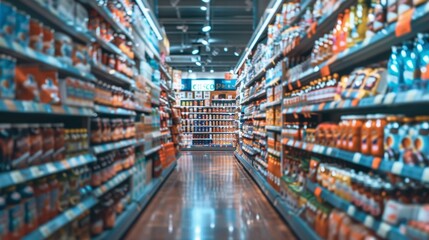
[231,28]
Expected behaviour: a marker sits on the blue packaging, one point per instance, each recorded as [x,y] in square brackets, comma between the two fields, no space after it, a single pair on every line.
[7,77]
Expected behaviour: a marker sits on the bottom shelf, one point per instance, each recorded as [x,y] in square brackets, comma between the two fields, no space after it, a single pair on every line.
[297,224]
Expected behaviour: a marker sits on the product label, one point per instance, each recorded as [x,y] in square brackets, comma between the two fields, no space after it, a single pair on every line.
[15,219]
[4,220]
[30,212]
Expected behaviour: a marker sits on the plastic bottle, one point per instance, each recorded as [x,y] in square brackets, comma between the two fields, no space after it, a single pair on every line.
[394,70]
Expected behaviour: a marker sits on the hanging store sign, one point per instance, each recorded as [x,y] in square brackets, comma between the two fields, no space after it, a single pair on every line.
[208,85]
[202,85]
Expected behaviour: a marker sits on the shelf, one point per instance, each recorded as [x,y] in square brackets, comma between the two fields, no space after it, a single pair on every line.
[113,111]
[46,15]
[208,148]
[274,128]
[106,147]
[384,230]
[274,104]
[49,228]
[272,83]
[20,176]
[208,132]
[152,150]
[208,126]
[211,113]
[171,97]
[375,163]
[247,136]
[133,210]
[144,110]
[260,116]
[123,223]
[211,120]
[208,106]
[110,47]
[105,73]
[298,225]
[223,100]
[274,152]
[112,183]
[407,101]
[261,162]
[151,51]
[260,134]
[29,107]
[166,73]
[108,16]
[379,44]
[248,149]
[27,54]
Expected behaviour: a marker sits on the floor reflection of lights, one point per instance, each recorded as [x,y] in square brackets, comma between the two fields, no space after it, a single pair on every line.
[209,196]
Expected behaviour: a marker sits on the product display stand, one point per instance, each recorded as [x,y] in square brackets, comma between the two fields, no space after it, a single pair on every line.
[85,117]
[208,124]
[346,88]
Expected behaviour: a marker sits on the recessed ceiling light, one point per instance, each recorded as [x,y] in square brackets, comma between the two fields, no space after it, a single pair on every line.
[195,51]
[206,28]
[211,70]
[237,52]
[203,8]
[198,64]
[204,42]
[190,70]
[225,49]
[206,1]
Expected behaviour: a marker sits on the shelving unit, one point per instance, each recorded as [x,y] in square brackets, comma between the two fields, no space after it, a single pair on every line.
[85,133]
[287,60]
[208,128]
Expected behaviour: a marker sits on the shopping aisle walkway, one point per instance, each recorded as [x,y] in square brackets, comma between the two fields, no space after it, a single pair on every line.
[209,196]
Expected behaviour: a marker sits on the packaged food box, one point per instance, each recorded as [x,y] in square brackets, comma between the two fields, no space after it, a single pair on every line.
[7,77]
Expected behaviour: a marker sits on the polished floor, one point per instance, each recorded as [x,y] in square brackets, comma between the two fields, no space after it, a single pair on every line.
[209,196]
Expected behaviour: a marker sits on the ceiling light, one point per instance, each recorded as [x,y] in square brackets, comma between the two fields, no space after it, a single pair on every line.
[231,71]
[204,42]
[198,64]
[195,51]
[237,52]
[203,8]
[211,70]
[206,28]
[215,52]
[225,49]
[190,70]
[206,1]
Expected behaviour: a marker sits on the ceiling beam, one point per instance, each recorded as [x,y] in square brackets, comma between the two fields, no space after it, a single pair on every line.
[202,20]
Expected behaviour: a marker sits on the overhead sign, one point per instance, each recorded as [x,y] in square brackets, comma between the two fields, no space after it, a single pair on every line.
[211,84]
[203,85]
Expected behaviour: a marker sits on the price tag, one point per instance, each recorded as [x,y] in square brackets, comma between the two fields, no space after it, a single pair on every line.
[378,99]
[16,177]
[321,149]
[376,162]
[397,167]
[357,157]
[329,151]
[351,210]
[369,221]
[325,71]
[425,175]
[70,215]
[317,191]
[35,171]
[82,207]
[74,162]
[45,231]
[383,229]
[403,25]
[51,168]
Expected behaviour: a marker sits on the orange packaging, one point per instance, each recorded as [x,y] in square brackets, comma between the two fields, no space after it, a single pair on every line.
[26,83]
[36,35]
[335,219]
[48,86]
[344,229]
[354,138]
[366,135]
[377,135]
[48,41]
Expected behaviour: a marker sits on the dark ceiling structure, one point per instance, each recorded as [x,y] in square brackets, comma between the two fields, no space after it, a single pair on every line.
[231,23]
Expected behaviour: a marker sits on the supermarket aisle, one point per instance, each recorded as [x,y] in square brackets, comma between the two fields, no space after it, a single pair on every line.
[209,196]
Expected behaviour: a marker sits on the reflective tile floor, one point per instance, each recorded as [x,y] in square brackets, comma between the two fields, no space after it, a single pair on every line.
[209,196]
